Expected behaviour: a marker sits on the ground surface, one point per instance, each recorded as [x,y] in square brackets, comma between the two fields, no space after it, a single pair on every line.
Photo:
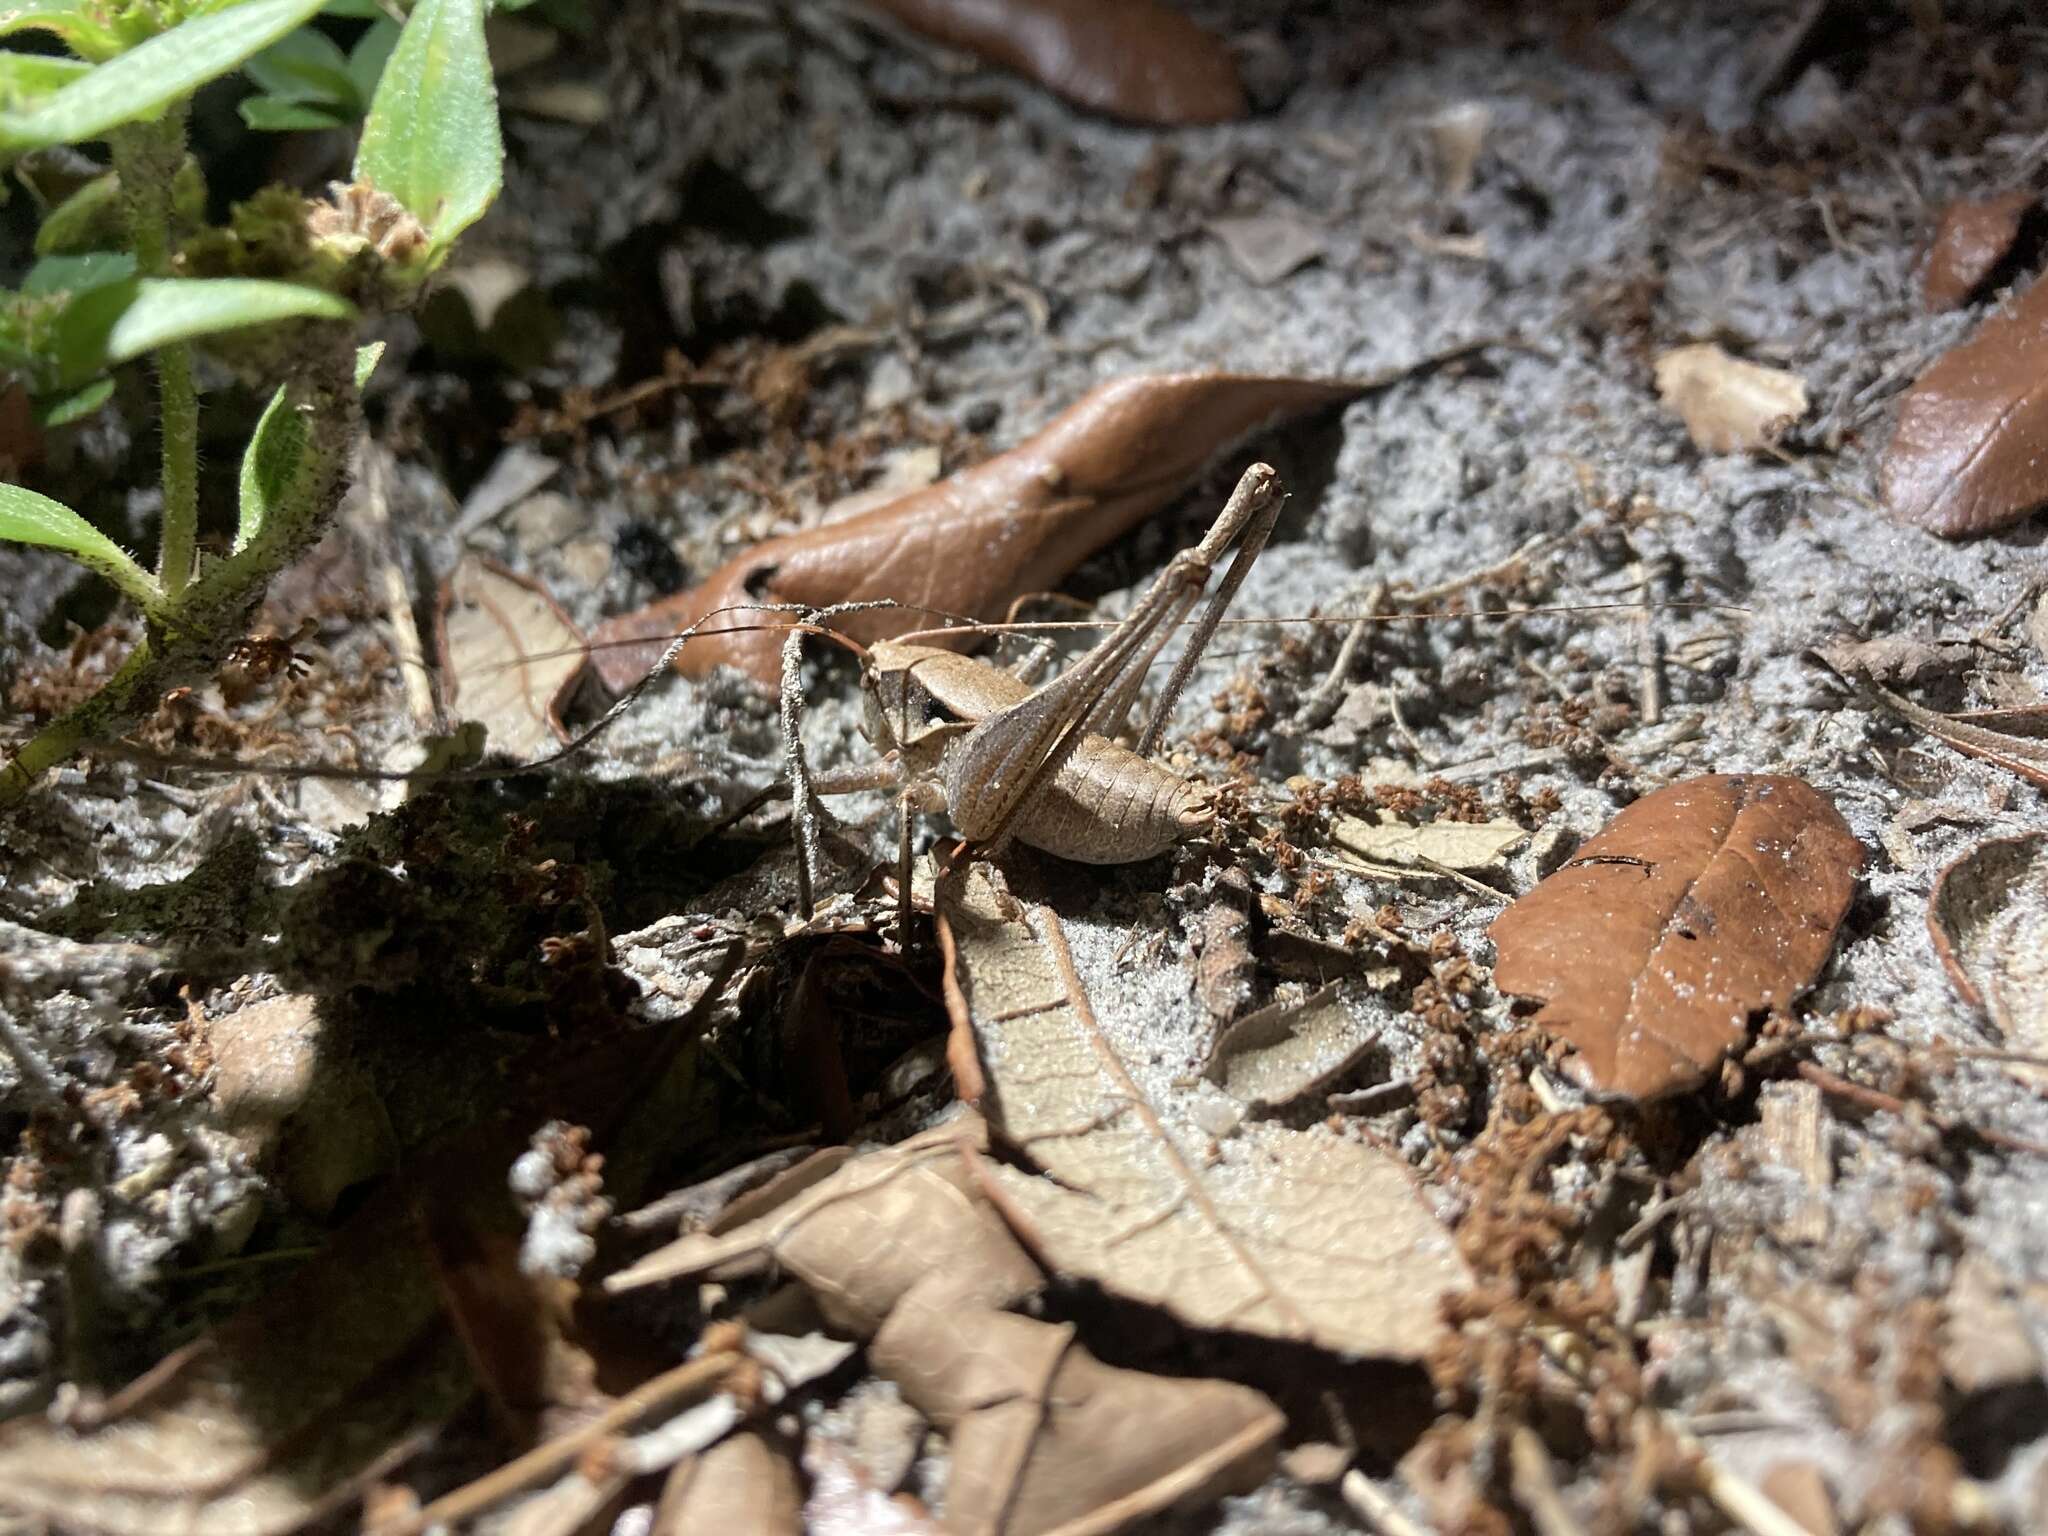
[1640,183]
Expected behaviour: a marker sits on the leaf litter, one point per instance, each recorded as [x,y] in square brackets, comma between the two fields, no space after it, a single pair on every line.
[1687,1296]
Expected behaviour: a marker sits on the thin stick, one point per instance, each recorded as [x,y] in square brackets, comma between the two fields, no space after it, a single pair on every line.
[803,798]
[522,1472]
[405,633]
[1376,1509]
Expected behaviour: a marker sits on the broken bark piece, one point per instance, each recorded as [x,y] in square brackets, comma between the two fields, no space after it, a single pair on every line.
[1698,906]
[1727,405]
[1970,453]
[1988,917]
[1272,1231]
[1139,60]
[1972,238]
[509,656]
[1046,1438]
[979,539]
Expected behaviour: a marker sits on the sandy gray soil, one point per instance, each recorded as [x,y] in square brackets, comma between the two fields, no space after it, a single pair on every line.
[1642,183]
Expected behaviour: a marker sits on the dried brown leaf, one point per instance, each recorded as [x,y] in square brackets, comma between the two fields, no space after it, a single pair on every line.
[1970,453]
[1969,242]
[1693,909]
[509,655]
[1273,1231]
[1988,916]
[1048,1441]
[742,1486]
[1287,1050]
[1138,59]
[1470,847]
[981,538]
[864,1235]
[1727,405]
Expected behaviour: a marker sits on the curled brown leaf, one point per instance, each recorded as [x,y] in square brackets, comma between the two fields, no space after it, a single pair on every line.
[1970,453]
[1693,909]
[1969,242]
[1047,1439]
[1135,59]
[979,539]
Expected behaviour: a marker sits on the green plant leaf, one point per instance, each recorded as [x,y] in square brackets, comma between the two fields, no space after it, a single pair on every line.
[80,28]
[77,273]
[143,81]
[367,59]
[270,114]
[75,406]
[26,78]
[120,321]
[88,220]
[304,66]
[431,139]
[270,467]
[28,518]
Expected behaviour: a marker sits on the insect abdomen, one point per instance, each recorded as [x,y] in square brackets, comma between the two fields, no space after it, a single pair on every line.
[1111,806]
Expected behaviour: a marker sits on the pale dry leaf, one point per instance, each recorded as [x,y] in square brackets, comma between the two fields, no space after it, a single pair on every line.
[271,1420]
[1985,1342]
[1988,916]
[1265,247]
[1456,135]
[862,1236]
[1970,452]
[1139,60]
[509,656]
[302,1110]
[743,1486]
[1289,1049]
[1698,906]
[1048,1441]
[980,538]
[1972,238]
[1283,1233]
[1800,1489]
[1470,847]
[1727,405]
[2014,739]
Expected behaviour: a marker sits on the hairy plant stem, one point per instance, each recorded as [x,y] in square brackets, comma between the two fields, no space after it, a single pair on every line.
[192,631]
[147,158]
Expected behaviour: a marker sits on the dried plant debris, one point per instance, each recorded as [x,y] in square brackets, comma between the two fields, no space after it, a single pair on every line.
[1288,1234]
[1140,60]
[1279,1054]
[1970,453]
[509,656]
[1988,915]
[863,1235]
[979,539]
[274,1418]
[2014,739]
[1265,247]
[746,1485]
[1469,847]
[1695,908]
[1047,1439]
[1972,238]
[1727,405]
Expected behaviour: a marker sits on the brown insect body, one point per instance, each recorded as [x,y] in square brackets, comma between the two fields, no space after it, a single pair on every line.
[1105,805]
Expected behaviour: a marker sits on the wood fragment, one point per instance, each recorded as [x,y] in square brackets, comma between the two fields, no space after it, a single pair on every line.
[1728,406]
